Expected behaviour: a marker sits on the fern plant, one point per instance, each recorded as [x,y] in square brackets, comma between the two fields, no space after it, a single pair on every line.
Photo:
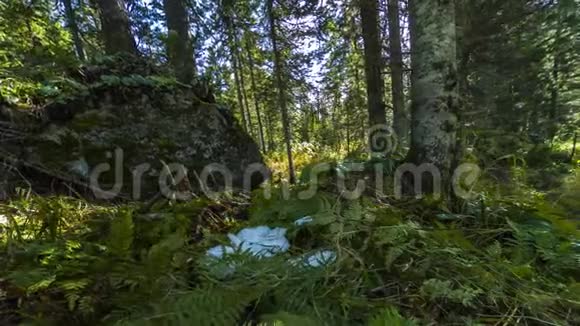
[390,317]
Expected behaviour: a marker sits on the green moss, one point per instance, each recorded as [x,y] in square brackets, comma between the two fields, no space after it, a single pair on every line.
[91,119]
[166,144]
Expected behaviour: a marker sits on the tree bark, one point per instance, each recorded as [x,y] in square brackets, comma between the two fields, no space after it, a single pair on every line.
[234,58]
[373,64]
[573,153]
[555,87]
[357,81]
[239,90]
[243,86]
[115,27]
[179,43]
[270,128]
[255,95]
[281,86]
[434,89]
[71,22]
[396,65]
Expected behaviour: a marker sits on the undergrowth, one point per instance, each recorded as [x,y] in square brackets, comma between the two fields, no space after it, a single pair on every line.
[504,260]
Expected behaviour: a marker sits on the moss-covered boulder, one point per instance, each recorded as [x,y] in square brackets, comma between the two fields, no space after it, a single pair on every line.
[142,123]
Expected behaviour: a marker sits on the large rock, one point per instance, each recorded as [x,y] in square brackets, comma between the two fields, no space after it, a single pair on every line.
[135,120]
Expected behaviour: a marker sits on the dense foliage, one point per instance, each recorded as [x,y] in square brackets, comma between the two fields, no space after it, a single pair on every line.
[505,260]
[489,82]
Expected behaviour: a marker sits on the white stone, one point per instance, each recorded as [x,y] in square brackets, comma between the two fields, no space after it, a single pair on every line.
[219,251]
[320,258]
[261,241]
[304,220]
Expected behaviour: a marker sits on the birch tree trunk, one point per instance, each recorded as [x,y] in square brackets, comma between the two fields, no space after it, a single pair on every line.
[434,93]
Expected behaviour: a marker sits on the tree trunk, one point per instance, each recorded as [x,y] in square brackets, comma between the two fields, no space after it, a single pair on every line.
[243,86]
[573,153]
[463,89]
[234,58]
[281,90]
[270,128]
[179,43]
[347,126]
[255,95]
[555,87]
[239,90]
[434,89]
[71,22]
[335,120]
[357,83]
[373,64]
[305,128]
[115,27]
[396,65]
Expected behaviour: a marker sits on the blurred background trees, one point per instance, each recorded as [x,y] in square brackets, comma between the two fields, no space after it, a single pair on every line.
[317,72]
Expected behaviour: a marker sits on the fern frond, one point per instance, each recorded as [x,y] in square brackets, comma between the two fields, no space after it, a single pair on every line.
[121,234]
[390,317]
[284,318]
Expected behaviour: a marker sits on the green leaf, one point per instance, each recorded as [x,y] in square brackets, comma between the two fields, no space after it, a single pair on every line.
[390,317]
[110,80]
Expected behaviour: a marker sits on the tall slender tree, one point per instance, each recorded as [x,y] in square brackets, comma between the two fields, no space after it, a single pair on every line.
[179,43]
[71,22]
[396,65]
[255,94]
[373,63]
[115,27]
[234,59]
[240,59]
[281,87]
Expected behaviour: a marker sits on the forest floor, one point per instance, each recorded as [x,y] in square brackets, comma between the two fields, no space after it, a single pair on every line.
[511,257]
